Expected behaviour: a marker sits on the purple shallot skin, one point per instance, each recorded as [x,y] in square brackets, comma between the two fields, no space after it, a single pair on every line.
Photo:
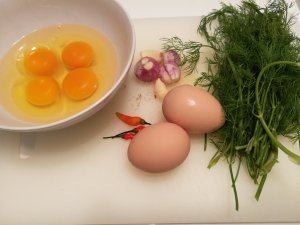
[147,69]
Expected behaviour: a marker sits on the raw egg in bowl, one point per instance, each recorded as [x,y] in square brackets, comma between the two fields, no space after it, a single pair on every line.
[60,61]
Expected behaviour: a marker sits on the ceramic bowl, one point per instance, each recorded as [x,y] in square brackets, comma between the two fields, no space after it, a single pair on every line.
[19,18]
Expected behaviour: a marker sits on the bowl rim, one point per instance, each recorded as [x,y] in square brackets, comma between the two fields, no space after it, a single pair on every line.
[91,109]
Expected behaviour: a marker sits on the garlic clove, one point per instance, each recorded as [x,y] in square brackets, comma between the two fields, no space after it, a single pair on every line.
[160,89]
[157,55]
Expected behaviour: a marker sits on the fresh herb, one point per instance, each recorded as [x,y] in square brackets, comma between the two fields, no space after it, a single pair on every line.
[189,52]
[255,74]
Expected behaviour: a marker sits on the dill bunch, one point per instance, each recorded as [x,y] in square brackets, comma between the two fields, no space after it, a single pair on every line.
[255,74]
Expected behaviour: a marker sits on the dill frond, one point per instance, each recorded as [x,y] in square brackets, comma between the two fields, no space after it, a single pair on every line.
[257,81]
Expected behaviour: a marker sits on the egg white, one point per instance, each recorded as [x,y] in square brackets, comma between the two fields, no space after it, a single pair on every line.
[14,76]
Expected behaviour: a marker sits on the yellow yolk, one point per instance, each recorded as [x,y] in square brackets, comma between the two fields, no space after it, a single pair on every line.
[23,98]
[40,61]
[80,83]
[42,91]
[77,54]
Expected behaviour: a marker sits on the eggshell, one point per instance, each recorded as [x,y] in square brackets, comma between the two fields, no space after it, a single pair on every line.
[194,109]
[159,147]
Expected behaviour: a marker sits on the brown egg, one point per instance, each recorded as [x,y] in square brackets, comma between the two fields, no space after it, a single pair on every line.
[159,147]
[194,109]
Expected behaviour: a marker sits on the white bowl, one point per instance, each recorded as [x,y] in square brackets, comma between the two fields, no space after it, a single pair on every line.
[19,18]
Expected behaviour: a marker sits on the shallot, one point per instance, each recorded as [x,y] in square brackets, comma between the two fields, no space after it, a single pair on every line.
[169,73]
[171,56]
[147,69]
[154,64]
[169,70]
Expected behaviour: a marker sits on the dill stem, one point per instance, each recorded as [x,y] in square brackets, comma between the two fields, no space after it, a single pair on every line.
[298,134]
[260,187]
[260,112]
[233,180]
[236,77]
[276,142]
[273,106]
[205,141]
[264,149]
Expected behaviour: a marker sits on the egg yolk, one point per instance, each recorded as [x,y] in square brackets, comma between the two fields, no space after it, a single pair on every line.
[42,91]
[80,83]
[77,54]
[40,61]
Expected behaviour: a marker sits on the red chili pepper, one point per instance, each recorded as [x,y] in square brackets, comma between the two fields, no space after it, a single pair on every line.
[139,128]
[127,134]
[131,120]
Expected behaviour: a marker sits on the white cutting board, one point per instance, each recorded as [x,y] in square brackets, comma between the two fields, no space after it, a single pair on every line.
[73,176]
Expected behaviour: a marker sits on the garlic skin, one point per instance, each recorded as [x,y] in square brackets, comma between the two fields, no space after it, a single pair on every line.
[160,89]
